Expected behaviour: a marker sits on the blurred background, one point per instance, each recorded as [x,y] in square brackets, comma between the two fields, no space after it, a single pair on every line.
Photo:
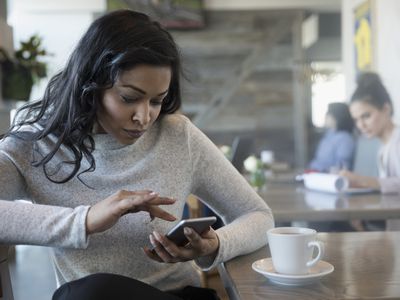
[262,70]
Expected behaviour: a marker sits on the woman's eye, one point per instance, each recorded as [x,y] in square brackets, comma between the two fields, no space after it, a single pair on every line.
[128,99]
[366,116]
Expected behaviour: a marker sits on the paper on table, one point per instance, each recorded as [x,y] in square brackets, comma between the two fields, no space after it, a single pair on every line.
[324,182]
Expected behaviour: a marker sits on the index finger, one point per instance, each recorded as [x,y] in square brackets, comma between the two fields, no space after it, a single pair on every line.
[147,199]
[158,212]
[160,201]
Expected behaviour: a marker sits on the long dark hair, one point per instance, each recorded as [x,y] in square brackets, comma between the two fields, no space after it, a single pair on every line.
[115,42]
[371,90]
[340,112]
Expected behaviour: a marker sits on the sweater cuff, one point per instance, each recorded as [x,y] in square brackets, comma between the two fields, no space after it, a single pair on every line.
[80,229]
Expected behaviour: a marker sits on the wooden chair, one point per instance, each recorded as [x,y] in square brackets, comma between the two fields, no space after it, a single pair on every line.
[195,207]
[6,292]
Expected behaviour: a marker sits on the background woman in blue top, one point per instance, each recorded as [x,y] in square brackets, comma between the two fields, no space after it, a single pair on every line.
[335,150]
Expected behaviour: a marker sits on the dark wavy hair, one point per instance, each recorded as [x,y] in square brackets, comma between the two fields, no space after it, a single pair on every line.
[115,42]
[340,112]
[371,90]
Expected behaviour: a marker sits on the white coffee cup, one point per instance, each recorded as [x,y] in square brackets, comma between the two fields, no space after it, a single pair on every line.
[292,249]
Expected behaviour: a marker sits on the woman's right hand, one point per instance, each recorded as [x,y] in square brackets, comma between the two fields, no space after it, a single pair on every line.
[104,214]
[360,181]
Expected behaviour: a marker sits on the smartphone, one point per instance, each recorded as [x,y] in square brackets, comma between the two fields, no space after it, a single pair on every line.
[199,225]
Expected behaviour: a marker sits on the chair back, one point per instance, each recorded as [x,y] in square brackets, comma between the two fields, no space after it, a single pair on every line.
[365,158]
[242,147]
[6,292]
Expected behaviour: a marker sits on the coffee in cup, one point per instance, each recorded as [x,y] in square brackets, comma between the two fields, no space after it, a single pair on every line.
[292,249]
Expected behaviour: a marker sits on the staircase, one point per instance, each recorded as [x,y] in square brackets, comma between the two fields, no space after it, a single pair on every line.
[239,73]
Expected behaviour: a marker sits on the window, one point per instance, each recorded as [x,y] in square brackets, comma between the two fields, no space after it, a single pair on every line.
[328,85]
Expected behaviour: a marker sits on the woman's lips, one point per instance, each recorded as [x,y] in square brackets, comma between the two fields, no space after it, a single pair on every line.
[134,133]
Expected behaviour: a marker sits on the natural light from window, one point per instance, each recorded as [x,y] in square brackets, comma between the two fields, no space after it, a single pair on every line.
[328,85]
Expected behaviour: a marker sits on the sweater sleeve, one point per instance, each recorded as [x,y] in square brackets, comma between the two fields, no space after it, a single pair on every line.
[389,185]
[218,184]
[35,224]
[389,180]
[22,222]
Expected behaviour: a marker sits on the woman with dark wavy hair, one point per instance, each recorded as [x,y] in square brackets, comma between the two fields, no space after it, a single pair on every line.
[109,163]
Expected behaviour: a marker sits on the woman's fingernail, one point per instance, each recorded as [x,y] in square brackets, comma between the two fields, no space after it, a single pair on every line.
[153,194]
[152,241]
[187,230]
[157,235]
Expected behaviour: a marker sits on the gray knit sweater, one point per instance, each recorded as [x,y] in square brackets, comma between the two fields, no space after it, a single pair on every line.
[173,159]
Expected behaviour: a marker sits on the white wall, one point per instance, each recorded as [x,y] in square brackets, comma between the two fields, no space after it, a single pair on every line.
[6,34]
[386,44]
[388,48]
[273,4]
[6,37]
[69,6]
[60,23]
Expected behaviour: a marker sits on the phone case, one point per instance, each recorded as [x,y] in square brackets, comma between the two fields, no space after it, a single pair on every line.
[198,224]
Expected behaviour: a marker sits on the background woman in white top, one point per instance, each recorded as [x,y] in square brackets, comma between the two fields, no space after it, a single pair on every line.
[372,110]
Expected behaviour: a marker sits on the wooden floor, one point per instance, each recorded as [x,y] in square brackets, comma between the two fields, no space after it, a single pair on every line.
[33,275]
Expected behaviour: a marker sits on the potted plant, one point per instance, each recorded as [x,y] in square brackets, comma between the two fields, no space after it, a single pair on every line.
[254,166]
[21,72]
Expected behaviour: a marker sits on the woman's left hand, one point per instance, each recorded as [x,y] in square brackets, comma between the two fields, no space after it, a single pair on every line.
[165,250]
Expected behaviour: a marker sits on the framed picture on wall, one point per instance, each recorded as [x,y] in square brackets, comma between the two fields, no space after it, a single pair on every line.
[363,37]
[172,14]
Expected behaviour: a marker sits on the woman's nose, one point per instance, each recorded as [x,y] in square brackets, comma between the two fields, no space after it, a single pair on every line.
[361,125]
[142,114]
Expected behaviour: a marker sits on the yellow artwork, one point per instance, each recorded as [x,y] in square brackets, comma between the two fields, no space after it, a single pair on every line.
[363,37]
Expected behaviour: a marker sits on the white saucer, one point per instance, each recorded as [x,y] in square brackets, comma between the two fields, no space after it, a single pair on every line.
[265,267]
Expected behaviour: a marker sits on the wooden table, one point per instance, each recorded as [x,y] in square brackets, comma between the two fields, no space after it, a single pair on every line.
[367,266]
[292,202]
